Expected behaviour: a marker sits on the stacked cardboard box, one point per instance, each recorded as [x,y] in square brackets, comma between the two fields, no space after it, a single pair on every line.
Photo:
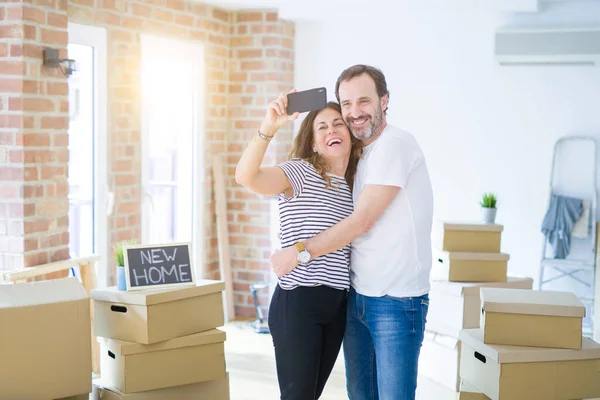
[468,392]
[215,389]
[161,343]
[530,346]
[466,258]
[45,341]
[469,253]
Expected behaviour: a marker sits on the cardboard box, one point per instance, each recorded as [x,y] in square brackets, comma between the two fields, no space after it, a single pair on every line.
[209,390]
[85,396]
[470,267]
[153,315]
[467,238]
[45,340]
[531,318]
[457,305]
[439,360]
[471,396]
[469,392]
[453,306]
[529,373]
[132,367]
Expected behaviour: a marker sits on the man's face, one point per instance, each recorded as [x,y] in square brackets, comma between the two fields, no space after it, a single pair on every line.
[362,108]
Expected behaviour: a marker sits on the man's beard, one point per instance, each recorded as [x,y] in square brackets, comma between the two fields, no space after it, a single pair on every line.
[371,127]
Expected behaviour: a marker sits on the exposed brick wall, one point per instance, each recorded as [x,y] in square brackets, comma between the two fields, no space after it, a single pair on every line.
[249,57]
[261,68]
[124,21]
[249,61]
[33,135]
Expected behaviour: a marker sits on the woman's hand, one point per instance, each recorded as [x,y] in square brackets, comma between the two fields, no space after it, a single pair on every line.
[284,261]
[276,115]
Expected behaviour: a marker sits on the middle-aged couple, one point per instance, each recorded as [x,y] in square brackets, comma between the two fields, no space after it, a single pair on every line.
[356,208]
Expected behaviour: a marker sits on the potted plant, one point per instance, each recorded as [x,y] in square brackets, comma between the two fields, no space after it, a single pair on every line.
[488,208]
[120,259]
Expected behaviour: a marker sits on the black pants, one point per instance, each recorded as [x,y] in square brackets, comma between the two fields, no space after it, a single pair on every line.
[307,325]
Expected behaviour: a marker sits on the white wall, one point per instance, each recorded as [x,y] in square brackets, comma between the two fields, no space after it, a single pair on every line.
[482,127]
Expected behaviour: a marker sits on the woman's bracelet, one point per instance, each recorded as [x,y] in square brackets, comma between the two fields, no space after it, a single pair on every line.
[263,136]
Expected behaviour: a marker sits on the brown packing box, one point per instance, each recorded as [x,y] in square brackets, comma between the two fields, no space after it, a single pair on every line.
[469,392]
[45,340]
[85,396]
[457,305]
[531,318]
[439,360]
[468,238]
[153,315]
[471,396]
[133,367]
[529,373]
[209,390]
[470,267]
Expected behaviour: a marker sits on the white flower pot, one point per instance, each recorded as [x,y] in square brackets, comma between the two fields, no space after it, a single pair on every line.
[488,215]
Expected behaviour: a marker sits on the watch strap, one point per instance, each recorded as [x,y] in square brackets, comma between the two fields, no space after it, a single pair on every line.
[300,247]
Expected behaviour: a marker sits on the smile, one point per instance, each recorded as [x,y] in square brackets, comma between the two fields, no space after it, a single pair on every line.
[334,142]
[359,121]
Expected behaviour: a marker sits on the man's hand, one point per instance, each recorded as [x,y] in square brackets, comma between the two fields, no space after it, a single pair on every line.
[284,261]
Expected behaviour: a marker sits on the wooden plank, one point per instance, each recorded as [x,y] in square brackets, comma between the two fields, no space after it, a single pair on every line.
[88,279]
[223,233]
[32,272]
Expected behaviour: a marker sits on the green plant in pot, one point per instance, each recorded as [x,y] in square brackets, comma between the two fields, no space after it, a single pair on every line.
[120,259]
[488,208]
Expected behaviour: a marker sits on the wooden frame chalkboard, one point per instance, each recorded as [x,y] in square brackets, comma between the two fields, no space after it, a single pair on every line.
[158,266]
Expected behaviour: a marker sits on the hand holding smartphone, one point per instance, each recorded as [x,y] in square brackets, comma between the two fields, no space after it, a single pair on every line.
[288,108]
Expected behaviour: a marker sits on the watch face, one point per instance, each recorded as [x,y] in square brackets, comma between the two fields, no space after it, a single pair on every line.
[304,257]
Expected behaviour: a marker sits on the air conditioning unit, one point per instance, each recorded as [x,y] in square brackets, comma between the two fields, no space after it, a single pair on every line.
[548,46]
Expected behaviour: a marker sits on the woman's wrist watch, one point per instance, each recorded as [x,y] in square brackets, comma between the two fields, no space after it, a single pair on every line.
[303,254]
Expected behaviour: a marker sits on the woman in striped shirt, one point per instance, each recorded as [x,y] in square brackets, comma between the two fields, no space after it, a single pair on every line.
[307,315]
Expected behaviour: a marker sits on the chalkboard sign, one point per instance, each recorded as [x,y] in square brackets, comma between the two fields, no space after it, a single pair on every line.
[158,266]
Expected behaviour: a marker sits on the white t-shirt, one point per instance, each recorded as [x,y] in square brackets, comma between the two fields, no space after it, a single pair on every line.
[394,257]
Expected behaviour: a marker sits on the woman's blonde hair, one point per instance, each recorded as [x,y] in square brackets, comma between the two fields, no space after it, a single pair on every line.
[303,147]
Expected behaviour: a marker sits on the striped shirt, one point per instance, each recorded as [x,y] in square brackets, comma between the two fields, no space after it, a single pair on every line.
[311,210]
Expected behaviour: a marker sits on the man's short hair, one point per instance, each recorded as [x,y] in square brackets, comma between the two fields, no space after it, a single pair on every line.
[359,69]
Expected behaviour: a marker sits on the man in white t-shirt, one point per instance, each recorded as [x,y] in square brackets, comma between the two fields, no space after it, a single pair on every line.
[390,232]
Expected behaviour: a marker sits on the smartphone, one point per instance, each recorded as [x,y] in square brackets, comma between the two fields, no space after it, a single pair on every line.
[307,100]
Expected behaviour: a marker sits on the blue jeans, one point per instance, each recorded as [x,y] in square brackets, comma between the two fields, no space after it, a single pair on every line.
[382,345]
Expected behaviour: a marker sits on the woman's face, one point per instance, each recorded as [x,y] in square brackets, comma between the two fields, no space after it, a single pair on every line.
[331,135]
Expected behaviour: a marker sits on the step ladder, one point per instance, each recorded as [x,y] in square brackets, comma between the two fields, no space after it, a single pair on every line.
[574,174]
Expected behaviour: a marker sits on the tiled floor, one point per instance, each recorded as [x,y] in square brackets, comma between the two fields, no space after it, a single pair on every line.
[251,366]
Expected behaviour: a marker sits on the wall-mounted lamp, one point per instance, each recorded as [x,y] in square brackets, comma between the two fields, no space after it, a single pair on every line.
[52,60]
